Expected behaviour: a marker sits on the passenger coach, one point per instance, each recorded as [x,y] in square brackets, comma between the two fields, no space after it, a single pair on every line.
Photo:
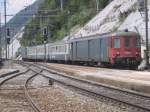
[58,51]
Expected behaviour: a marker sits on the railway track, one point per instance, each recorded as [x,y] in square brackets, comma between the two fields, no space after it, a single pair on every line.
[14,92]
[34,106]
[131,99]
[8,74]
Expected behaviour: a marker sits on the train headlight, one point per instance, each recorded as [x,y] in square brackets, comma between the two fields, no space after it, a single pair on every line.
[118,53]
[137,54]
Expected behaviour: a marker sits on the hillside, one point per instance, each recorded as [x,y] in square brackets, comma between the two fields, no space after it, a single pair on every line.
[20,19]
[135,22]
[109,19]
[60,23]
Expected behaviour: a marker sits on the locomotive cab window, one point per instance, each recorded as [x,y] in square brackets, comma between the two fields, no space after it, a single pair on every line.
[137,41]
[127,42]
[116,43]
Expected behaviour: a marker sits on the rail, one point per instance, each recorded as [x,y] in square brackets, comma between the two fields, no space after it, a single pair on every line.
[34,106]
[130,98]
[28,97]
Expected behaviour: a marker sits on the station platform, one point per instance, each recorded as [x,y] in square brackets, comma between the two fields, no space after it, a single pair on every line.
[128,79]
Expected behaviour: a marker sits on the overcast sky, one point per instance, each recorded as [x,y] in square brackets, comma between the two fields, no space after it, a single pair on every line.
[14,6]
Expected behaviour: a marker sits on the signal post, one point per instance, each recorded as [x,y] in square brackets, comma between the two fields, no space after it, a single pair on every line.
[45,34]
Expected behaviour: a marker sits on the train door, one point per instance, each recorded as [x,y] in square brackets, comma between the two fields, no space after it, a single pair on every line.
[104,50]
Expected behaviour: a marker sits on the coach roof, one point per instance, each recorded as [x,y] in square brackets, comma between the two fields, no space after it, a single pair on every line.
[110,34]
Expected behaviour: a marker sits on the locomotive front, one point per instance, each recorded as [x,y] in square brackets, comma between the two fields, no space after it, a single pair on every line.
[125,49]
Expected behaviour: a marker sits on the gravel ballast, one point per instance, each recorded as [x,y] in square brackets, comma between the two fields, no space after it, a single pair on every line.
[60,99]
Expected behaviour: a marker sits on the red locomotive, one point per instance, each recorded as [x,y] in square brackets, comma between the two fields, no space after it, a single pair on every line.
[125,49]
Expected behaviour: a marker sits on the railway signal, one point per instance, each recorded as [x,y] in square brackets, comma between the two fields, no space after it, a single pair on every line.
[45,34]
[8,35]
[8,39]
[45,31]
[8,32]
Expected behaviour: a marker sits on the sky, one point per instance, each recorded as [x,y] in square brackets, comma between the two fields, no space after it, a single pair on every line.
[13,7]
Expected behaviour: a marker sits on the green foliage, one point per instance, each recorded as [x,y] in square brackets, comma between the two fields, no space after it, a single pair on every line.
[103,3]
[76,12]
[121,18]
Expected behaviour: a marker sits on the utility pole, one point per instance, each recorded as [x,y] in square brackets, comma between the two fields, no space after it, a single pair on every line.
[12,52]
[61,5]
[97,5]
[5,27]
[12,49]
[0,39]
[36,53]
[146,31]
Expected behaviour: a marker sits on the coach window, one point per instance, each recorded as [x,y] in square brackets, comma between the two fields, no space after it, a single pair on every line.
[127,42]
[116,43]
[56,49]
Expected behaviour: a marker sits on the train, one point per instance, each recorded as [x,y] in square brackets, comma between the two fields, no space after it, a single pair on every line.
[115,48]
